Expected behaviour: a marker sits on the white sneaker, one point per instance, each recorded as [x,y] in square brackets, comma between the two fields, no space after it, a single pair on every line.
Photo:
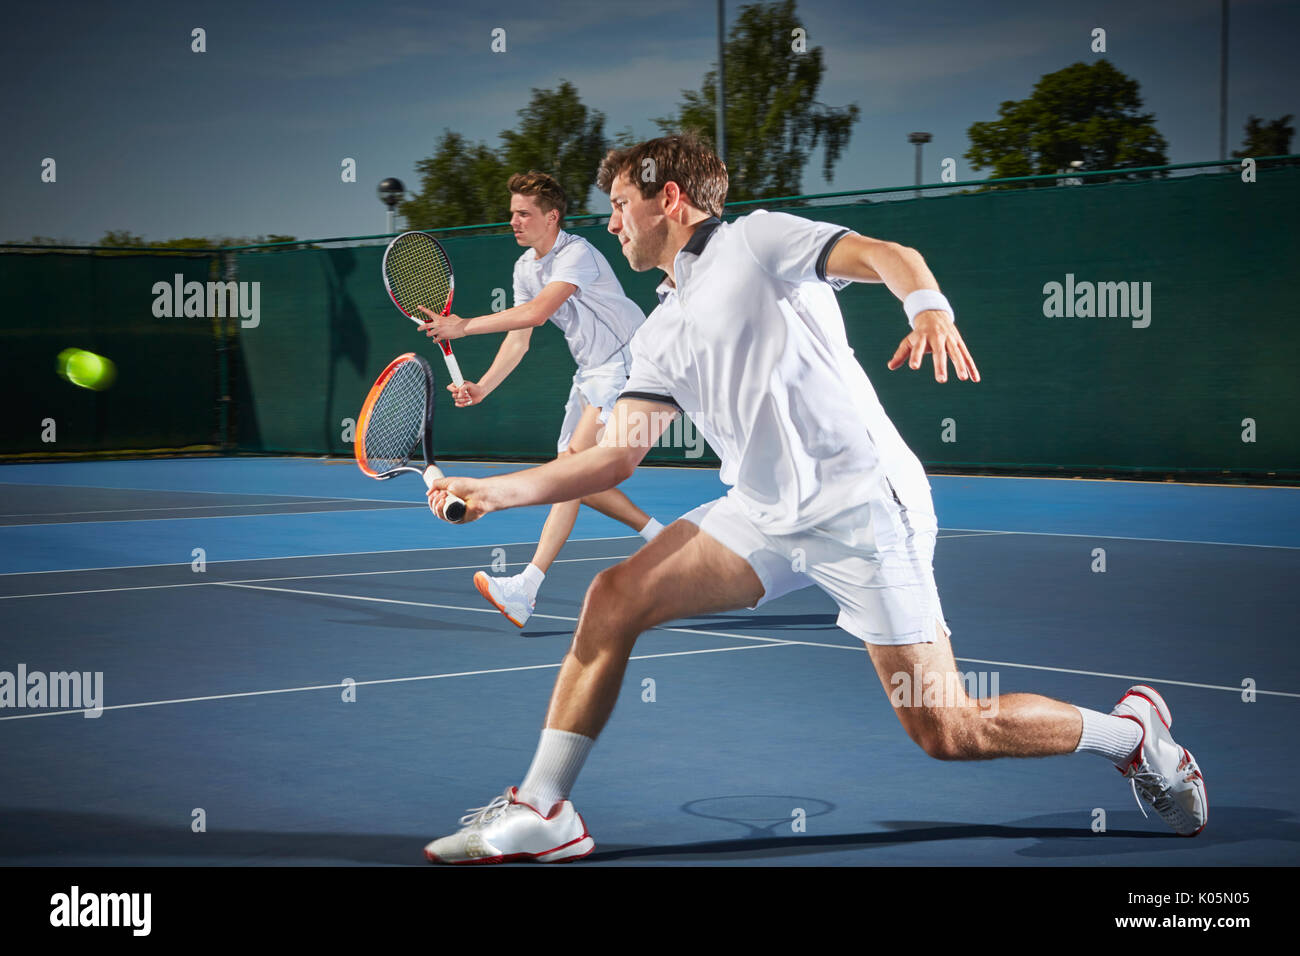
[510,596]
[1164,773]
[506,830]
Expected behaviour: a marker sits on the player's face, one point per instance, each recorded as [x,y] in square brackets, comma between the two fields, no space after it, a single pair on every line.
[639,224]
[529,223]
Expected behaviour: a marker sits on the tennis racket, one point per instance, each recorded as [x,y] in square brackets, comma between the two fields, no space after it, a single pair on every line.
[418,273]
[396,418]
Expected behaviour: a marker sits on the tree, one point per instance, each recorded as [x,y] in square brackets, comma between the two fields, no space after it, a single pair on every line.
[558,135]
[461,185]
[464,184]
[1081,113]
[773,117]
[1266,139]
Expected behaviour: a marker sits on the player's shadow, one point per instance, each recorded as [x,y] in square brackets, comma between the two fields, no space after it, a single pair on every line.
[57,837]
[1060,837]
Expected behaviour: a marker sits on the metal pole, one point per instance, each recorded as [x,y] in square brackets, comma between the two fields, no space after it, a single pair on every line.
[722,84]
[918,170]
[1223,85]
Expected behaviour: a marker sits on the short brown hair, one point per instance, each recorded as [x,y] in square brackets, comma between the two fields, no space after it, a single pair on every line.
[543,188]
[683,158]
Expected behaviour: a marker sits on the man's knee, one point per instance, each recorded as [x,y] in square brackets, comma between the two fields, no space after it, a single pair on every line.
[945,732]
[614,594]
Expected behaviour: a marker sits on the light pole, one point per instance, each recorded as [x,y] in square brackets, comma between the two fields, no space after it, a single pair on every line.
[918,139]
[390,194]
[1223,81]
[722,85]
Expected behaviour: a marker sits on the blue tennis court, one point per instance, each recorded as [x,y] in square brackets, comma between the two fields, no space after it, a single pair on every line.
[297,670]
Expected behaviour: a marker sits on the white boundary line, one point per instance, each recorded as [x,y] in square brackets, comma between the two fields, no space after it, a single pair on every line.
[396,506]
[1117,537]
[341,574]
[301,557]
[750,637]
[291,577]
[386,680]
[756,642]
[115,511]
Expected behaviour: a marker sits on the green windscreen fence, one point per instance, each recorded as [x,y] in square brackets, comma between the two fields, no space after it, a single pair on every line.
[1123,328]
[166,395]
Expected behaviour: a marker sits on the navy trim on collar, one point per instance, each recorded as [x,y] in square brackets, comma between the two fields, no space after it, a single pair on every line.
[700,237]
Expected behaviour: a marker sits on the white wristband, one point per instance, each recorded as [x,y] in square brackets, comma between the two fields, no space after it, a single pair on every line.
[923,299]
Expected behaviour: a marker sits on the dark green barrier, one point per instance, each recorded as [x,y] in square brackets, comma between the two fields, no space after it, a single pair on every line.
[1215,363]
[166,392]
[1179,394]
[329,328]
[1212,363]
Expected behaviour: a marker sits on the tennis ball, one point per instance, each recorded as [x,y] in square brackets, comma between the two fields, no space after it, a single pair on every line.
[86,369]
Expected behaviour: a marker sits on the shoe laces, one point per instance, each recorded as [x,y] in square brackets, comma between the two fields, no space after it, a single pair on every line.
[1155,788]
[481,815]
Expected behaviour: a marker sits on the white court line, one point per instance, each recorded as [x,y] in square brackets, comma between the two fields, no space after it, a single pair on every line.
[1118,537]
[114,511]
[396,506]
[184,491]
[300,557]
[386,680]
[291,577]
[750,637]
[343,574]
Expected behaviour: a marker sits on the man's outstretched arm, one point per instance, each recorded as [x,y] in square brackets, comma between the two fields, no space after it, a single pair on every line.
[634,426]
[903,271]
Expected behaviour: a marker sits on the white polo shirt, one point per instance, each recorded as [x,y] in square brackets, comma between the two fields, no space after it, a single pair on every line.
[751,344]
[598,320]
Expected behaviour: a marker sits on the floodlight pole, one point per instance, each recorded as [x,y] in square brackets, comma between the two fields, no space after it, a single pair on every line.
[1223,84]
[390,194]
[918,139]
[722,84]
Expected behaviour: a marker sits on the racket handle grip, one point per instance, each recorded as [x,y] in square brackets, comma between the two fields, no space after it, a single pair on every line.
[454,509]
[452,365]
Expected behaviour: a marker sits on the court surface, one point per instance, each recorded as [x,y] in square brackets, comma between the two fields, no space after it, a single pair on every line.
[234,606]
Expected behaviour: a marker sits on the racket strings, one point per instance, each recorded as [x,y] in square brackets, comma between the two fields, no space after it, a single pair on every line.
[396,419]
[418,275]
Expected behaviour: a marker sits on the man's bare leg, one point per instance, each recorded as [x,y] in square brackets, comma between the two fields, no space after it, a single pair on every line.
[955,726]
[681,573]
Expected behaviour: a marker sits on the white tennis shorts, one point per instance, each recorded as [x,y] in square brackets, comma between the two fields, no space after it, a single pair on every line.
[599,386]
[875,559]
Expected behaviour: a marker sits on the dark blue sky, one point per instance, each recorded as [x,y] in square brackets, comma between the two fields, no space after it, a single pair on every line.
[248,137]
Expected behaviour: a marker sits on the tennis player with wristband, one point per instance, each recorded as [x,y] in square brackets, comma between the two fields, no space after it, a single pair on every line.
[562,278]
[748,339]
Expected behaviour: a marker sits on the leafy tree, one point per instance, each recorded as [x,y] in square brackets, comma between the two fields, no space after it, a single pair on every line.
[1086,113]
[558,135]
[773,117]
[1267,139]
[461,185]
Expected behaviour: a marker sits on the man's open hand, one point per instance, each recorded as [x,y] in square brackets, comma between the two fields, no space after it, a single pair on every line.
[934,332]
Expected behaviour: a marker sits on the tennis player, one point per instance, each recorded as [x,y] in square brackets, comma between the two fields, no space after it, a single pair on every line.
[565,279]
[748,339]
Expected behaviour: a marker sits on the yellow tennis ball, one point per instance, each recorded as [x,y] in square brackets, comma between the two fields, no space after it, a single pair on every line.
[86,369]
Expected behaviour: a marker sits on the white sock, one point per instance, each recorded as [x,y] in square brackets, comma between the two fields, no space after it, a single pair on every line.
[533,577]
[652,528]
[1114,738]
[559,758]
